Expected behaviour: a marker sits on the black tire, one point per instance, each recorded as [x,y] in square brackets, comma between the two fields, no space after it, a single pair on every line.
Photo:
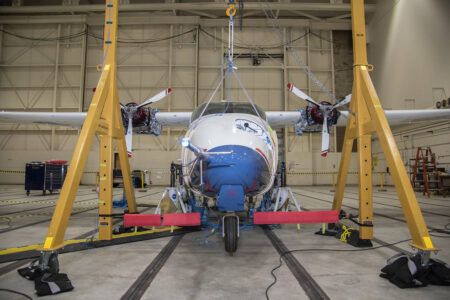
[44,192]
[231,234]
[28,193]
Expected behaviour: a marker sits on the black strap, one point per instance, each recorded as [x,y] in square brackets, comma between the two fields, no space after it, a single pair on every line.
[111,215]
[360,224]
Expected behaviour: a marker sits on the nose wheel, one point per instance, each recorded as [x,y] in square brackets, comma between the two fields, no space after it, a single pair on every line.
[230,232]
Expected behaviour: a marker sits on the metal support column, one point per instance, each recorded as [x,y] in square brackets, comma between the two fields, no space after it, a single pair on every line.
[285,92]
[197,52]
[55,87]
[81,91]
[104,118]
[169,98]
[367,117]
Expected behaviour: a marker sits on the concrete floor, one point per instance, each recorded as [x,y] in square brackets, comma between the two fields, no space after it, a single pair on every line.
[199,268]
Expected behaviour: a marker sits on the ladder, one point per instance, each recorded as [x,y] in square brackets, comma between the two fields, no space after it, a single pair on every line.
[425,176]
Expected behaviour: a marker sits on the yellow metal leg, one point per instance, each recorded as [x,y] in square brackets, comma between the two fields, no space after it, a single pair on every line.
[365,186]
[408,200]
[126,174]
[344,165]
[63,209]
[106,190]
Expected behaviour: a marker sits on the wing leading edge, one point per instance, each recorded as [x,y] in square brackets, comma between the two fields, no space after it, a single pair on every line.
[395,117]
[76,119]
[182,119]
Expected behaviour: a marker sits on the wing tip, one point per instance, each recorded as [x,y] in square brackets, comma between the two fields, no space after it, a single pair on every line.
[290,86]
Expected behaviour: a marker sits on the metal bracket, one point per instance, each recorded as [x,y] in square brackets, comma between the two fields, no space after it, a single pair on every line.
[154,127]
[49,261]
[302,123]
[424,257]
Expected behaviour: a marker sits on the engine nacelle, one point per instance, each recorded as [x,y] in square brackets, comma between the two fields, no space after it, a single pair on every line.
[140,115]
[144,119]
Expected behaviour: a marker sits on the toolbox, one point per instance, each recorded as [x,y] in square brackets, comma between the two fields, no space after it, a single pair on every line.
[45,176]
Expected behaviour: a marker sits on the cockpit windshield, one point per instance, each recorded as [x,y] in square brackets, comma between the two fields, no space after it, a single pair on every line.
[227,108]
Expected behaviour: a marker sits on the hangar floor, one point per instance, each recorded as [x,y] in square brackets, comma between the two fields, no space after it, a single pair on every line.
[199,268]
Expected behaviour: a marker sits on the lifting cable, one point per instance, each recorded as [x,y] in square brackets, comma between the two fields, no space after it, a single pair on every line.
[231,68]
[273,19]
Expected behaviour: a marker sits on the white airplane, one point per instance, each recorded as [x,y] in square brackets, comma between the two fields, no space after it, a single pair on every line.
[230,151]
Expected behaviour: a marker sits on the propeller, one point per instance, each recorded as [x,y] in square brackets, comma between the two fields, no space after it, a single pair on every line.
[155,98]
[326,109]
[131,110]
[129,136]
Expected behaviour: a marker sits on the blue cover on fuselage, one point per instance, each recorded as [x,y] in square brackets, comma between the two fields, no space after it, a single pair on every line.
[231,198]
[244,167]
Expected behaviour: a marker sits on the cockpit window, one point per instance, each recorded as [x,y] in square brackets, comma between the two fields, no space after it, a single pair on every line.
[227,108]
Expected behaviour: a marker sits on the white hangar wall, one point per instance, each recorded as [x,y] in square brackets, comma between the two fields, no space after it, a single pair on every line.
[408,45]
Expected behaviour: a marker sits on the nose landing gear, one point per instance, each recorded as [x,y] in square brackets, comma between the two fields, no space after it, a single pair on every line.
[230,232]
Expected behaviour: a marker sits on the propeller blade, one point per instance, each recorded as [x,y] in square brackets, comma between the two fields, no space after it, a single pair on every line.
[325,136]
[129,137]
[346,100]
[297,92]
[156,97]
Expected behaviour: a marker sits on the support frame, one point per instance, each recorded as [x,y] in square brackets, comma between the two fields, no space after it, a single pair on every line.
[367,117]
[103,118]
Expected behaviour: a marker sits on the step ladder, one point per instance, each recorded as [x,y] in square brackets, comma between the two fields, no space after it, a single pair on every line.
[425,175]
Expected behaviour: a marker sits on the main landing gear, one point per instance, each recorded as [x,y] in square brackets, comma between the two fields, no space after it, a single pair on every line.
[230,232]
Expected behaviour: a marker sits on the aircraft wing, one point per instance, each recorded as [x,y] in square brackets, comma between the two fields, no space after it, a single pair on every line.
[182,119]
[282,118]
[76,119]
[395,117]
[72,119]
[408,116]
[174,119]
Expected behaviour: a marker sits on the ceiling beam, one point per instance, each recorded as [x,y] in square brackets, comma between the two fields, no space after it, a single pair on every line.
[131,19]
[340,17]
[202,6]
[202,13]
[309,16]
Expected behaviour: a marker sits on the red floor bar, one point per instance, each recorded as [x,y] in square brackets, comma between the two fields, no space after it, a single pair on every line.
[296,217]
[131,220]
[181,219]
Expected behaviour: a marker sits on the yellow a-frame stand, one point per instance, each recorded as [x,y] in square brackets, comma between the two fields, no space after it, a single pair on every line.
[366,117]
[103,118]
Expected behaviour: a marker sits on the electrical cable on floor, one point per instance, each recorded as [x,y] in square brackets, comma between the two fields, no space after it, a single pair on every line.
[9,220]
[16,292]
[445,230]
[272,272]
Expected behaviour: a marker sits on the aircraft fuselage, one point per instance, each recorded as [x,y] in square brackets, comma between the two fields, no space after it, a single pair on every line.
[241,157]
